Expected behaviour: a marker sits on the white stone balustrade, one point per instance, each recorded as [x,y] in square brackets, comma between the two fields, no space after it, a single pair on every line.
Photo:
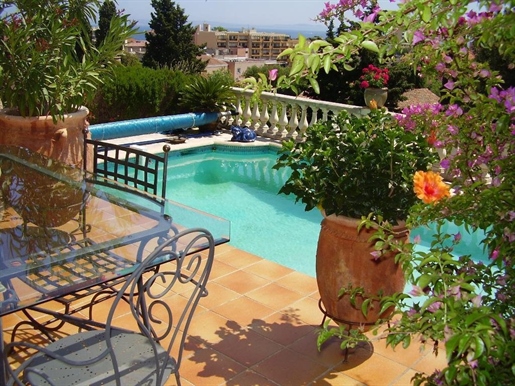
[283,117]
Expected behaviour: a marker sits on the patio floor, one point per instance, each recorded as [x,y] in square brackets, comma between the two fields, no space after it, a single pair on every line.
[258,327]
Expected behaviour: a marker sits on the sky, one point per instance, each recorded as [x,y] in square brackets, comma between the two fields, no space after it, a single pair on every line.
[248,13]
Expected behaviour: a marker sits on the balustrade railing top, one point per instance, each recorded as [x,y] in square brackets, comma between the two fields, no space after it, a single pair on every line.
[281,116]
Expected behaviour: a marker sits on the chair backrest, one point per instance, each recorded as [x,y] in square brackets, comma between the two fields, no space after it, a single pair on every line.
[144,345]
[129,166]
[163,302]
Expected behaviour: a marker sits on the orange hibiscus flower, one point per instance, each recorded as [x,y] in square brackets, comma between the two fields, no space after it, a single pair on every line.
[429,187]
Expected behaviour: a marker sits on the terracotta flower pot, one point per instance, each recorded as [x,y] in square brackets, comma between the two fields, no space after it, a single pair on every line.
[379,95]
[63,141]
[343,259]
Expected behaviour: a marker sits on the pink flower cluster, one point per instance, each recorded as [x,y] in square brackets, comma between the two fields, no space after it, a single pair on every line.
[374,77]
[356,7]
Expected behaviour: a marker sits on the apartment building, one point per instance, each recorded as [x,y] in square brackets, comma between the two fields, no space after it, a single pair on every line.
[256,45]
[232,51]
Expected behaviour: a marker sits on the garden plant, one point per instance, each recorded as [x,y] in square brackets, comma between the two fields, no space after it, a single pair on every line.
[461,307]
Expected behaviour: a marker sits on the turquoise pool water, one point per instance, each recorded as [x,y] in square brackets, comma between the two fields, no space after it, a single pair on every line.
[240,185]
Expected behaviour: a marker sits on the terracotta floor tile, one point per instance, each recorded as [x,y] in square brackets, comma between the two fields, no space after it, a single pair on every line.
[274,296]
[217,295]
[268,270]
[207,328]
[290,368]
[373,370]
[208,367]
[406,357]
[429,363]
[250,378]
[336,378]
[238,258]
[308,311]
[220,269]
[282,328]
[330,354]
[243,311]
[247,347]
[242,282]
[404,379]
[299,282]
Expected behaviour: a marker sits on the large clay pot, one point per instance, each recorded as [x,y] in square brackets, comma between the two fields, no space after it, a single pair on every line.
[379,95]
[344,258]
[62,141]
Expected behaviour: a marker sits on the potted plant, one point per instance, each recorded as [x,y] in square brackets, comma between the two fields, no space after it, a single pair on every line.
[50,68]
[349,167]
[208,94]
[374,81]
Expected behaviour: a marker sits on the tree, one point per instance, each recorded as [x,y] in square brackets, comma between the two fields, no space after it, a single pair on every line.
[106,12]
[170,40]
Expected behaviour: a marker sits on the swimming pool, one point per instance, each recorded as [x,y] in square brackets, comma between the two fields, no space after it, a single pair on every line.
[239,184]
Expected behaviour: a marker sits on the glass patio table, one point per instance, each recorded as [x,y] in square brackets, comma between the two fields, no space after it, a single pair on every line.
[63,231]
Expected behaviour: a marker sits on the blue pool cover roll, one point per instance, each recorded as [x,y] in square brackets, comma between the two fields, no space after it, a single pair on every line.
[152,125]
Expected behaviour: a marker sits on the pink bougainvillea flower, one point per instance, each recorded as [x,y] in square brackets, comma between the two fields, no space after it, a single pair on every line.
[272,74]
[418,37]
[376,255]
[449,85]
[429,187]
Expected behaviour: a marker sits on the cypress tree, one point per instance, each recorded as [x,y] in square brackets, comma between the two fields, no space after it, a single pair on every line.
[170,40]
[106,12]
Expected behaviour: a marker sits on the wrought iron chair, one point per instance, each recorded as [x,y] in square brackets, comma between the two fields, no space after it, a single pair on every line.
[161,306]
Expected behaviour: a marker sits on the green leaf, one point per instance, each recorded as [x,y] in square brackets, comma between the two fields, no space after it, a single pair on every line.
[287,51]
[370,45]
[365,306]
[327,63]
[297,65]
[315,85]
[426,14]
[424,280]
[451,345]
[315,63]
[406,341]
[479,348]
[464,343]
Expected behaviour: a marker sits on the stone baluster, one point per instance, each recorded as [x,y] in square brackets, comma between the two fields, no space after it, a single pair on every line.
[264,116]
[314,115]
[325,113]
[255,118]
[283,122]
[303,123]
[274,119]
[247,113]
[293,122]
